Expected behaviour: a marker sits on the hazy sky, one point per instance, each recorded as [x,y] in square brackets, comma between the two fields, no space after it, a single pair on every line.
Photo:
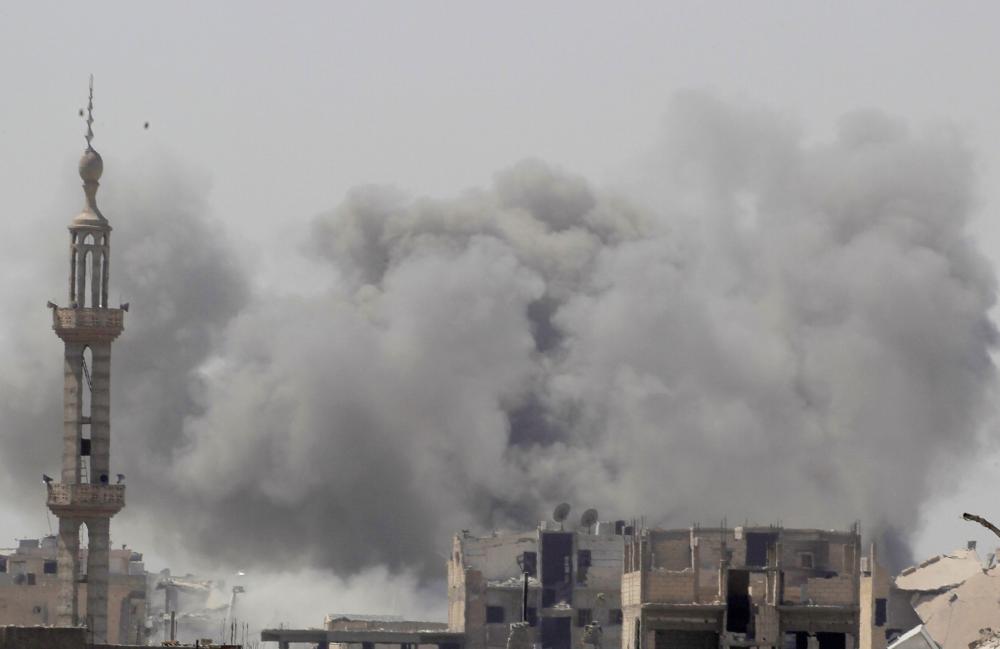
[274,111]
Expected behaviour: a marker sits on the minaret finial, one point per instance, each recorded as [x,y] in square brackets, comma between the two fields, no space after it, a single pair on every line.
[91,164]
[90,115]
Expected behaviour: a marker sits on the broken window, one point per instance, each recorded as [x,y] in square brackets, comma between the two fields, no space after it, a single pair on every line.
[529,563]
[880,611]
[831,640]
[757,546]
[31,578]
[50,567]
[3,564]
[615,617]
[582,566]
[806,560]
[584,616]
[531,616]
[557,567]
[738,601]
[796,640]
[494,615]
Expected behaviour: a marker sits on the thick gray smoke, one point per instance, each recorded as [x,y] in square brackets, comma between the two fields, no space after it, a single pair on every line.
[765,328]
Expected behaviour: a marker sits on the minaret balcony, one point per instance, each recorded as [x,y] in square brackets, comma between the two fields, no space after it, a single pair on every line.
[85,499]
[85,325]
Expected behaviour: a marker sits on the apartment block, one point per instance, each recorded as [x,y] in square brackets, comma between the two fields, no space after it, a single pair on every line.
[767,587]
[573,578]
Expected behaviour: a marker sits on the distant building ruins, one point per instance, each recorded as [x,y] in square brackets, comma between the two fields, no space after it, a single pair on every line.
[188,607]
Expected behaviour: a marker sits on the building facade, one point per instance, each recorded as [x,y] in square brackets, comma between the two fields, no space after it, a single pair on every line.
[762,587]
[30,589]
[573,579]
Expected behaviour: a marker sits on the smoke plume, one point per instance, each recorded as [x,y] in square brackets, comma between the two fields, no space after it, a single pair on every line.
[754,326]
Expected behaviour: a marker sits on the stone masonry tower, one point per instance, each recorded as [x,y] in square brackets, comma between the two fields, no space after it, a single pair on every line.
[87,327]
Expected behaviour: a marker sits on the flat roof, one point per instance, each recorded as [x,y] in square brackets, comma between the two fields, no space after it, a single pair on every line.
[374,636]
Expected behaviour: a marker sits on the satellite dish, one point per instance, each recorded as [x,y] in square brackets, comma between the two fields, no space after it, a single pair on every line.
[561,512]
[589,518]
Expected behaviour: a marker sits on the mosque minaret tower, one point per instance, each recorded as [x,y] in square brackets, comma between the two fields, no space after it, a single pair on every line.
[86,495]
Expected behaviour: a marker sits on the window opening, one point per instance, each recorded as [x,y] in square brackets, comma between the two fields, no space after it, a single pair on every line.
[831,640]
[557,565]
[583,559]
[757,545]
[880,611]
[494,615]
[86,300]
[738,617]
[530,563]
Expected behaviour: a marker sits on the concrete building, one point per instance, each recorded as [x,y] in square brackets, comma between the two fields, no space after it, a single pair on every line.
[574,579]
[30,589]
[915,638]
[344,631]
[954,596]
[86,497]
[188,607]
[702,588]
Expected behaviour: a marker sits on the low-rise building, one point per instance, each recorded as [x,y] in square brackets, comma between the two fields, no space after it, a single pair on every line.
[29,589]
[711,588]
[573,579]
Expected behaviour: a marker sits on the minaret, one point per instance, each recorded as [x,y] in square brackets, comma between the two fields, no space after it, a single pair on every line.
[85,495]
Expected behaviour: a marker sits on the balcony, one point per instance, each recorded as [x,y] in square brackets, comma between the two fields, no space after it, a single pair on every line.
[88,324]
[85,499]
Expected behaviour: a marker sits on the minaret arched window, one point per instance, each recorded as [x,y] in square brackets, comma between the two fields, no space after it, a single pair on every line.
[89,269]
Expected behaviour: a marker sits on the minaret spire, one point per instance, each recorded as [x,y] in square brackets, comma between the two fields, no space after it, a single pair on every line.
[91,168]
[90,116]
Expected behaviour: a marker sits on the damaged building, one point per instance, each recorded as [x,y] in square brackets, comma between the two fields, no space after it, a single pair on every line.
[951,598]
[351,631]
[188,607]
[705,588]
[573,578]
